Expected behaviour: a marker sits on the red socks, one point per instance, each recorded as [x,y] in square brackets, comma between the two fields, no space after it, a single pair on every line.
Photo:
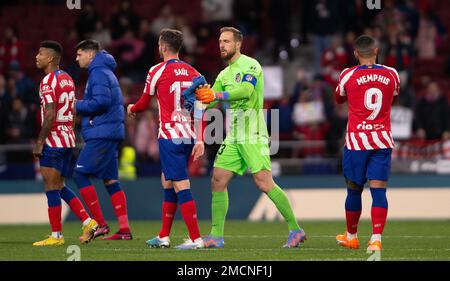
[352,219]
[379,209]
[78,209]
[119,202]
[379,216]
[189,213]
[54,215]
[90,197]
[168,214]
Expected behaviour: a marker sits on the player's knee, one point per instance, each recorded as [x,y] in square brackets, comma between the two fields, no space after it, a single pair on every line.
[218,183]
[51,183]
[264,181]
[109,182]
[113,187]
[81,179]
[353,185]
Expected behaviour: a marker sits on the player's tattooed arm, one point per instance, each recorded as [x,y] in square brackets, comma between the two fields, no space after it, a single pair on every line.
[49,118]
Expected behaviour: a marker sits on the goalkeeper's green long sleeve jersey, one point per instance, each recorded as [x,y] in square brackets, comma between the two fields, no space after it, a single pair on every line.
[244,81]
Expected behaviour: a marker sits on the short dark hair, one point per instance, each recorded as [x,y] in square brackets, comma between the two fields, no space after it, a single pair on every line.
[88,44]
[364,45]
[53,45]
[237,34]
[173,38]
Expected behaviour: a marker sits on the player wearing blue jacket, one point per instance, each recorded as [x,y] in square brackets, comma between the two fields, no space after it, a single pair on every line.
[103,130]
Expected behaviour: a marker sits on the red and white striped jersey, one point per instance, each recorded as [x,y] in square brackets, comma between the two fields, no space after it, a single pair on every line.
[58,87]
[370,91]
[167,80]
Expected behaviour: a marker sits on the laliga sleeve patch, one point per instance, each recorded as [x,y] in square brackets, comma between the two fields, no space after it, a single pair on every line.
[250,79]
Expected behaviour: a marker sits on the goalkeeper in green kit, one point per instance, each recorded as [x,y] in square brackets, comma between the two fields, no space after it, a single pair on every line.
[241,84]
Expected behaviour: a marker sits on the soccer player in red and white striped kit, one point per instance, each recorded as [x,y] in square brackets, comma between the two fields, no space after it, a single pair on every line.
[55,143]
[370,90]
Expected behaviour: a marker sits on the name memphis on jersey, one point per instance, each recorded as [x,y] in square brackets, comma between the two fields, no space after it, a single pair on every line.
[373,78]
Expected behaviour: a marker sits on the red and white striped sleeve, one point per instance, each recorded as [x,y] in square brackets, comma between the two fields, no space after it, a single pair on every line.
[340,93]
[152,78]
[48,89]
[393,72]
[149,89]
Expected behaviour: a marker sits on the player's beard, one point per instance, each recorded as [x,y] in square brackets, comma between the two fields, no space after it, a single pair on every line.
[227,57]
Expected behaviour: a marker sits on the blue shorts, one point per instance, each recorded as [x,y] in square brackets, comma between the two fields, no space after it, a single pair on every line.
[174,159]
[57,158]
[362,165]
[100,159]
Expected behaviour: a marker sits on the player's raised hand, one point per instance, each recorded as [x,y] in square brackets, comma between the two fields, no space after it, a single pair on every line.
[129,112]
[205,94]
[198,150]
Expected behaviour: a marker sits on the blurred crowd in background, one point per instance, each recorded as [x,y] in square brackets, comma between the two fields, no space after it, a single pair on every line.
[413,37]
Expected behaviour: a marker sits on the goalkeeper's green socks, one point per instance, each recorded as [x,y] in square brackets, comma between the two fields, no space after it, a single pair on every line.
[281,201]
[219,209]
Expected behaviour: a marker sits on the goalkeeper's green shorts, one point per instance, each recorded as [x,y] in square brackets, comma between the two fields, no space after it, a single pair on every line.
[237,157]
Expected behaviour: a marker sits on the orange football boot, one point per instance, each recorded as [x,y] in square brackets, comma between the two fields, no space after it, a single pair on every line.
[374,246]
[342,240]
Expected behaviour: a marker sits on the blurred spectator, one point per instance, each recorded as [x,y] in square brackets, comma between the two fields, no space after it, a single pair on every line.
[380,35]
[69,54]
[285,110]
[349,41]
[19,129]
[166,19]
[25,87]
[334,60]
[324,22]
[433,115]
[101,34]
[219,12]
[86,22]
[247,14]
[300,85]
[189,39]
[150,54]
[310,120]
[399,48]
[146,139]
[389,15]
[5,103]
[124,20]
[10,49]
[126,86]
[426,38]
[280,13]
[128,49]
[207,52]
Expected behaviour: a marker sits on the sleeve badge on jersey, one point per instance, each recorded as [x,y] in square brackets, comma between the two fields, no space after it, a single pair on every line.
[46,89]
[238,78]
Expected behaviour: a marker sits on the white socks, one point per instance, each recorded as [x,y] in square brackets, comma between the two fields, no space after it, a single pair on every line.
[375,237]
[86,221]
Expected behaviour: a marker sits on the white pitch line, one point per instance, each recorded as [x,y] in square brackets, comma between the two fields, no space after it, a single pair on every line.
[274,249]
[331,236]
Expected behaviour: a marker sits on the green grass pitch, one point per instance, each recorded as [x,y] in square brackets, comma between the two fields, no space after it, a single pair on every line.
[247,241]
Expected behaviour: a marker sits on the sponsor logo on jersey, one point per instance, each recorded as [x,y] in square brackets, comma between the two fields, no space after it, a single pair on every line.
[369,127]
